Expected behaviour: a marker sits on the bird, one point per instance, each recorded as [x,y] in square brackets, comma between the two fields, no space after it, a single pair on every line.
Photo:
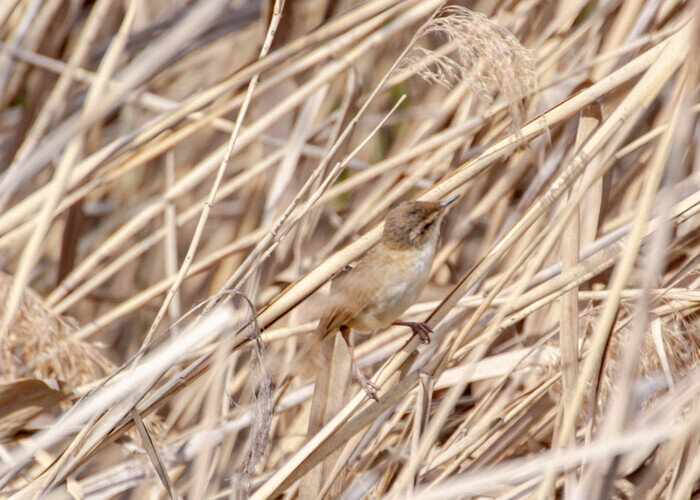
[386,280]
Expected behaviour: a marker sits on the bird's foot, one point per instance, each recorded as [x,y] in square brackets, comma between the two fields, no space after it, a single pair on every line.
[369,387]
[423,330]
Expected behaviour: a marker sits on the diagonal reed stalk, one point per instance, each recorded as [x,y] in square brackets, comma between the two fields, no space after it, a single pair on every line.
[263,142]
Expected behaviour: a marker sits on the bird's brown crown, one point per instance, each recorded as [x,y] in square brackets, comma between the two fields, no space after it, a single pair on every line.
[410,224]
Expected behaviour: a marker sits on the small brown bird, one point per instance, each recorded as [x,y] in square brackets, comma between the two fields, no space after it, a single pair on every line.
[387,279]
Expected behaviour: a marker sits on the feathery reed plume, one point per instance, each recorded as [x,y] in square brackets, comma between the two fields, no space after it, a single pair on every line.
[670,351]
[486,56]
[41,345]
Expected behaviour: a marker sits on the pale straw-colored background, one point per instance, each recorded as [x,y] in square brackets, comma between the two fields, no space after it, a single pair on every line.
[157,155]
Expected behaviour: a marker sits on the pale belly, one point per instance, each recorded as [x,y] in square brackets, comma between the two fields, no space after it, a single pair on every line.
[398,293]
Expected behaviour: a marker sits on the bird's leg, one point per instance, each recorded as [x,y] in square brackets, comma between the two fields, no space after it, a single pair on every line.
[369,387]
[423,330]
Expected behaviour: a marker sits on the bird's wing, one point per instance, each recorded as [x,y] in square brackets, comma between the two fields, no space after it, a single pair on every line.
[351,292]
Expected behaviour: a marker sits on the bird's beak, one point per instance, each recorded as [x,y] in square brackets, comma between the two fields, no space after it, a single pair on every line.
[448,201]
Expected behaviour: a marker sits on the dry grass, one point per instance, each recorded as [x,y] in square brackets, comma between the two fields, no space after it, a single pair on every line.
[225,158]
[42,345]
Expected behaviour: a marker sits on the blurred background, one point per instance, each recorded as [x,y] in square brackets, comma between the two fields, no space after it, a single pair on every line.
[115,121]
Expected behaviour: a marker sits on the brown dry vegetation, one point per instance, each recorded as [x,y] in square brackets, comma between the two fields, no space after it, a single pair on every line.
[178,177]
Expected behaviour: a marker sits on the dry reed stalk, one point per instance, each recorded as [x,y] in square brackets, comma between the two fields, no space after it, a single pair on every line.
[607,315]
[135,119]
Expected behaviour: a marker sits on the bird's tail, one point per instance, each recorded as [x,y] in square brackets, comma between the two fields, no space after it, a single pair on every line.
[333,378]
[304,363]
[325,359]
[312,357]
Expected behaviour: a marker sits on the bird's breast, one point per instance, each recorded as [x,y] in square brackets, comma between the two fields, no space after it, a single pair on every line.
[400,283]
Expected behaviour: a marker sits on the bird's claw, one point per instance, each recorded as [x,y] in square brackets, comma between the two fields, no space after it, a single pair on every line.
[369,387]
[423,330]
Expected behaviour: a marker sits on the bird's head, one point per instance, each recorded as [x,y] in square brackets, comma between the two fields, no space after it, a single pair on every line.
[412,224]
